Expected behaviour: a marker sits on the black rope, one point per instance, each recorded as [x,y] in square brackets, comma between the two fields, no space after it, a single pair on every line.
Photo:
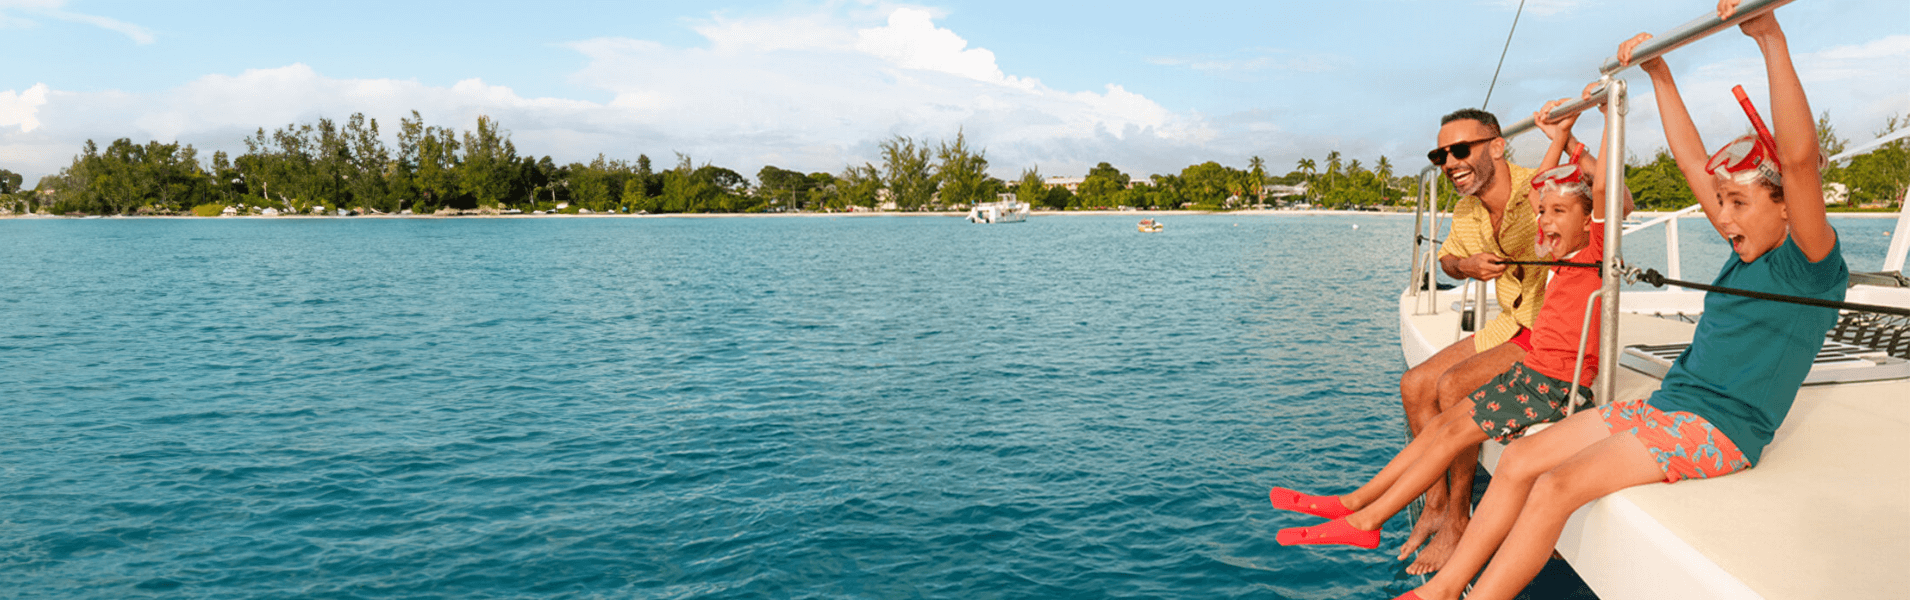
[1652,277]
[1554,263]
[1558,263]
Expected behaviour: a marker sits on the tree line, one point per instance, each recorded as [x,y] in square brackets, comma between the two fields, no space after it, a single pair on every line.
[325,166]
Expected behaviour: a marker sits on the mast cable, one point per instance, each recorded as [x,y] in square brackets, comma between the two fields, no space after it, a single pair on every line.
[1502,53]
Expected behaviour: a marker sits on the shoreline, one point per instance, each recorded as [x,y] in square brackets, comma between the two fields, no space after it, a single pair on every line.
[867,214]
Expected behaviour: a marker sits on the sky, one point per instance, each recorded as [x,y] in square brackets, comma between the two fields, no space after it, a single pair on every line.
[1149,87]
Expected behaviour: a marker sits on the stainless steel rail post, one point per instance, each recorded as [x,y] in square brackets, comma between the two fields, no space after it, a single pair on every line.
[1614,155]
[1417,279]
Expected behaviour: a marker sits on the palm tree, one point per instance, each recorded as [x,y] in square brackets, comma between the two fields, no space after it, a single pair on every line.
[1332,168]
[1384,168]
[1257,177]
[1307,165]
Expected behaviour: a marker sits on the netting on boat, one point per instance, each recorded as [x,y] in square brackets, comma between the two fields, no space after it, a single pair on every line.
[1888,333]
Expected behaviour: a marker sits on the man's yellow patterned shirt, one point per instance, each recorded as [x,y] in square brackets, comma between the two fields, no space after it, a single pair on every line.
[1521,289]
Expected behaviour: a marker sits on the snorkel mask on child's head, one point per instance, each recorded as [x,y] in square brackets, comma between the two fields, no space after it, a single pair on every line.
[1751,157]
[1566,174]
[1565,179]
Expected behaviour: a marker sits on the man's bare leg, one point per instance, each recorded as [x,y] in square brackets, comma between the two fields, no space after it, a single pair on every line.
[1452,516]
[1419,397]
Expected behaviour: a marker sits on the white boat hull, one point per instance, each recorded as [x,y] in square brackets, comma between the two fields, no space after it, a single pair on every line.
[1006,211]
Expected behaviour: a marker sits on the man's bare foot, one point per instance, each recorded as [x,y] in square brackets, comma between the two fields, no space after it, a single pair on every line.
[1434,555]
[1429,522]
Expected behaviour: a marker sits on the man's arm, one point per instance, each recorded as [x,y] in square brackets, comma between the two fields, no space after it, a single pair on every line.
[1482,266]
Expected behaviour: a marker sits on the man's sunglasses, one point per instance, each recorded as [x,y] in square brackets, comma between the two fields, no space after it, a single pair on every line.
[1459,150]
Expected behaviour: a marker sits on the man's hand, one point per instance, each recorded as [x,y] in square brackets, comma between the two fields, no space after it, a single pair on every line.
[1482,266]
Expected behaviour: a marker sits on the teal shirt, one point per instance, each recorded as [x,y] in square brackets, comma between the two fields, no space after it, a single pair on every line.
[1749,356]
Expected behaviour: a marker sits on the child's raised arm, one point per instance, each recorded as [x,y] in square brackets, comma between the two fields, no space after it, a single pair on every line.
[1687,148]
[1796,134]
[1559,130]
[1597,168]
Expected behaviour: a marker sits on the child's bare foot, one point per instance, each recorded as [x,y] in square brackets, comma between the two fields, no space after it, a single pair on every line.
[1434,555]
[1429,522]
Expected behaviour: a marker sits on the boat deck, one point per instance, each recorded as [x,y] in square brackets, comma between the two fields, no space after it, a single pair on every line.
[1826,514]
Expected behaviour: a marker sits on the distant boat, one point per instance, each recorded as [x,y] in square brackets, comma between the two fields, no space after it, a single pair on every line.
[1150,226]
[1005,211]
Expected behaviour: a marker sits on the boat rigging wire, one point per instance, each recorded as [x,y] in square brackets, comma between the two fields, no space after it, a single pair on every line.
[1502,53]
[1652,277]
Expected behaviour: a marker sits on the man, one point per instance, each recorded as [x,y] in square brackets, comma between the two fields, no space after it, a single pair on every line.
[1493,223]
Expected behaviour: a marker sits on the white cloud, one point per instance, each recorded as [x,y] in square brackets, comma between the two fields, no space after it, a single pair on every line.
[51,9]
[825,95]
[22,108]
[814,97]
[912,41]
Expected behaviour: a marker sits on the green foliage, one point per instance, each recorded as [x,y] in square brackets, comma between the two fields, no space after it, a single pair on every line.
[1881,176]
[1208,184]
[1030,189]
[321,164]
[906,173]
[1257,179]
[490,165]
[1659,185]
[127,178]
[208,210]
[859,186]
[1058,197]
[602,185]
[962,174]
[9,181]
[783,188]
[1103,186]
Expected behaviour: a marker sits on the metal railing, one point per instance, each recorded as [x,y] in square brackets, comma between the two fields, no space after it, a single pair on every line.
[1612,93]
[1657,46]
[1672,257]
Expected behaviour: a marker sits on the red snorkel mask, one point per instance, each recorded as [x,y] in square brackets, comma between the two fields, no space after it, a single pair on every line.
[1751,156]
[1565,174]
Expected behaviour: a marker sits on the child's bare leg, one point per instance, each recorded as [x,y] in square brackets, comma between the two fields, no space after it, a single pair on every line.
[1523,462]
[1451,432]
[1388,475]
[1618,462]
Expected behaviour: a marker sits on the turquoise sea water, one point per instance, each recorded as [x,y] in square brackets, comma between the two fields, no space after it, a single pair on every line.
[694,408]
